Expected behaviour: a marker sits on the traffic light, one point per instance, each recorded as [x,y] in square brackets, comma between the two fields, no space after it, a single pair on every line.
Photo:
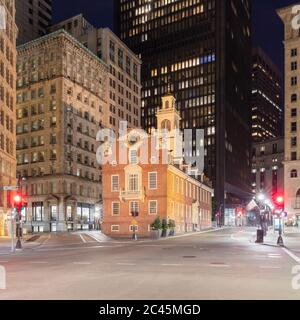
[279,200]
[19,203]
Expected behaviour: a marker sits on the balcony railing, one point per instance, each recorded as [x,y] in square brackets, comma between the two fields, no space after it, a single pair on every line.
[132,195]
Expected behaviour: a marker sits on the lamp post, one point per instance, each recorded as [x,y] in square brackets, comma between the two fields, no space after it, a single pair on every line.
[19,204]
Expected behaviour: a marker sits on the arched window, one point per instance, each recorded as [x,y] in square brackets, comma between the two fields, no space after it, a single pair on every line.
[166,124]
[167,104]
[294,174]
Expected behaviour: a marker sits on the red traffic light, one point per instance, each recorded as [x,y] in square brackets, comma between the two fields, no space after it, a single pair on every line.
[17,199]
[279,199]
[19,202]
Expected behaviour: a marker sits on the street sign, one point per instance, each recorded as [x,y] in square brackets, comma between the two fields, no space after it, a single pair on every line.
[10,188]
[134,222]
[278,224]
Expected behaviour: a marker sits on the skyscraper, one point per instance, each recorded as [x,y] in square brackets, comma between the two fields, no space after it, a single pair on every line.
[203,48]
[267,114]
[292,115]
[33,17]
[8,34]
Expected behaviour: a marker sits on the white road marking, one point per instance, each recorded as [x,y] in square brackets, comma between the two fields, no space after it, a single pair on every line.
[82,263]
[39,262]
[269,267]
[74,248]
[274,256]
[219,265]
[93,237]
[171,265]
[82,238]
[292,255]
[126,264]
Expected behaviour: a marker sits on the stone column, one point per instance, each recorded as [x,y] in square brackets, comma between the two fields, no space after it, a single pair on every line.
[61,216]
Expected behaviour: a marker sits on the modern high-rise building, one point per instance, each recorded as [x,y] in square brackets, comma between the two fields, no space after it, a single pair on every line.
[203,48]
[33,18]
[267,113]
[8,35]
[292,115]
[124,65]
[61,100]
[267,167]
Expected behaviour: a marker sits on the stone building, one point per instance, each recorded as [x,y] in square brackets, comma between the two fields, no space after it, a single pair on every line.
[152,182]
[292,114]
[8,34]
[124,66]
[61,101]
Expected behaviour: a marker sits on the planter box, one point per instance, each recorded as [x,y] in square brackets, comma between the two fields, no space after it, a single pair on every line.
[171,232]
[155,234]
[164,233]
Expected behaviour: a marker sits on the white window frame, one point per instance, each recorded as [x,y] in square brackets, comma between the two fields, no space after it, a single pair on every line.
[149,207]
[136,159]
[112,183]
[112,208]
[131,228]
[149,180]
[114,225]
[138,206]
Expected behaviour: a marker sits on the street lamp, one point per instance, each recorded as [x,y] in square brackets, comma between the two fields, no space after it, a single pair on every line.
[261,197]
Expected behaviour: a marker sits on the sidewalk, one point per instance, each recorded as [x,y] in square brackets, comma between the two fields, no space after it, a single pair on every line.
[291,238]
[28,242]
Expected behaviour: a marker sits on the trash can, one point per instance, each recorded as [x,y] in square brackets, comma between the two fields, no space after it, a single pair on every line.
[259,236]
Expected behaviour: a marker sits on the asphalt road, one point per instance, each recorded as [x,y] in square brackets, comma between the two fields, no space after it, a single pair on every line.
[224,264]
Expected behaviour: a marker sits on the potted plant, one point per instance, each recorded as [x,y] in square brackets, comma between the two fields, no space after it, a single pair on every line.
[156,228]
[164,227]
[171,227]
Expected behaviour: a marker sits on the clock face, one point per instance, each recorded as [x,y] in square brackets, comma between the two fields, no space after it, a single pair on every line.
[133,139]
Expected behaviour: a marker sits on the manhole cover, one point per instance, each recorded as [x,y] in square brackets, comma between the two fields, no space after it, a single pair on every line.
[189,257]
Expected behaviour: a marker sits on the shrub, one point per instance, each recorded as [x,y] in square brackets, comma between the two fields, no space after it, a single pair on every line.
[171,224]
[156,225]
[164,224]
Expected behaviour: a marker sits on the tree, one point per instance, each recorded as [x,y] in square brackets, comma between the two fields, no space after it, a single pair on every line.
[156,225]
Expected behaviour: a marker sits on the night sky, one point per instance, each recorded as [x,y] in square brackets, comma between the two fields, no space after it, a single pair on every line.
[267,27]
